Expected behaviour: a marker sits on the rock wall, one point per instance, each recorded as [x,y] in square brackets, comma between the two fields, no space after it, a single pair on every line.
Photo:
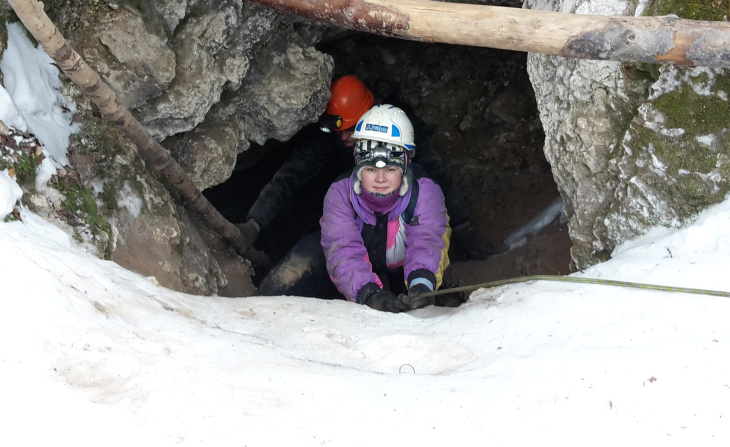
[632,145]
[205,77]
[213,75]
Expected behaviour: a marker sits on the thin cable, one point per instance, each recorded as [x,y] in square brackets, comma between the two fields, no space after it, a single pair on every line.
[603,282]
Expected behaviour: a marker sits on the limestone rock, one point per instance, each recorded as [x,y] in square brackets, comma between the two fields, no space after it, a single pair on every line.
[154,235]
[147,62]
[171,11]
[287,88]
[171,60]
[200,78]
[631,146]
[213,50]
[207,153]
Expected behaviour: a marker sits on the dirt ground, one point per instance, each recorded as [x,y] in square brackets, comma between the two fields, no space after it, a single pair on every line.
[547,253]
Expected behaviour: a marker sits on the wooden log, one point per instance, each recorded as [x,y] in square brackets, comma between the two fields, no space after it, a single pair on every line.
[659,40]
[31,13]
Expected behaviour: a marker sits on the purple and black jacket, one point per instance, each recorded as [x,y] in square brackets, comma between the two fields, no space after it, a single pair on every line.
[420,246]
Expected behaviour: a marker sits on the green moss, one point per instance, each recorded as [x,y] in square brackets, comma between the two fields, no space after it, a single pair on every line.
[686,109]
[714,10]
[104,145]
[701,78]
[723,84]
[3,32]
[699,116]
[24,164]
[77,236]
[641,72]
[603,255]
[25,169]
[639,79]
[80,203]
[110,197]
[179,248]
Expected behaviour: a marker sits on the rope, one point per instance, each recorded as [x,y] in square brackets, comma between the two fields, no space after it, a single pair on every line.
[603,282]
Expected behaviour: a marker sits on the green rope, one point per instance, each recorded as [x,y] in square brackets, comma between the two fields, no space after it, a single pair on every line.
[603,282]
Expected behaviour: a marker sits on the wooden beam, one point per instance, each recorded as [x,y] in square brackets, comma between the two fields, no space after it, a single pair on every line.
[659,40]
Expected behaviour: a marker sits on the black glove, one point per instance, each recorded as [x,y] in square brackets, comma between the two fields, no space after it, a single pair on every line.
[414,299]
[467,239]
[373,296]
[386,301]
[250,231]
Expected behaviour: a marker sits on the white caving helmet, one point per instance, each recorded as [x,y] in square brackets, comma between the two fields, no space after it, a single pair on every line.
[384,136]
[387,124]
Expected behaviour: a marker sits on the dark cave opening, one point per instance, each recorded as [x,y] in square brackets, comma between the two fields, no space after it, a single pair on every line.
[481,106]
[297,217]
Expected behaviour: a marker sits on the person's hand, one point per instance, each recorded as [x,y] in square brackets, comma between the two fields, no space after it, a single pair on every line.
[468,240]
[250,231]
[386,301]
[414,300]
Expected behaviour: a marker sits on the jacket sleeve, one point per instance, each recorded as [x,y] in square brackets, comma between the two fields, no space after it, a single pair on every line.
[427,242]
[304,164]
[347,259]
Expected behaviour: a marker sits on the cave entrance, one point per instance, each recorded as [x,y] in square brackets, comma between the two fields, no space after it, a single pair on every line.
[482,108]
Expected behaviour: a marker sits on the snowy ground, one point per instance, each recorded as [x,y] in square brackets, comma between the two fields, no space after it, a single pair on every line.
[93,354]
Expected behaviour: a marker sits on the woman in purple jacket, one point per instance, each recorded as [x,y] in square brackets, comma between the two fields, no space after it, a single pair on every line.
[385,228]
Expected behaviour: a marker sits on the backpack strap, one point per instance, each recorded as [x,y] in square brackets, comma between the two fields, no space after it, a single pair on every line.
[408,213]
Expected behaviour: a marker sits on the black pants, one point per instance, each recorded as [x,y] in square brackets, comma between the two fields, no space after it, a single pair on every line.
[303,272]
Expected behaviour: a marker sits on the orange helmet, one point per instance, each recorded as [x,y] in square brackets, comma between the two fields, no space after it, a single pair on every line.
[350,99]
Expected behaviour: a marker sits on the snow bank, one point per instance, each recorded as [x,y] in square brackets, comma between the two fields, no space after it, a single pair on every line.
[10,193]
[32,82]
[116,359]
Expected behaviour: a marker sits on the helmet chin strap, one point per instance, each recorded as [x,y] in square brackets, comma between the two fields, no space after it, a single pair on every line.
[406,180]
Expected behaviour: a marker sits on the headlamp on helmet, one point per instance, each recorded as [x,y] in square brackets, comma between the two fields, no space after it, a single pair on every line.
[380,154]
[330,123]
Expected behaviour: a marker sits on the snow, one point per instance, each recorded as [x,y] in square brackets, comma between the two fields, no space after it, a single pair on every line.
[707,140]
[112,356]
[10,193]
[33,84]
[127,198]
[640,7]
[9,113]
[91,353]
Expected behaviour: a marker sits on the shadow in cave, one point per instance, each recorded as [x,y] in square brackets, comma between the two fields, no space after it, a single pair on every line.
[296,218]
[482,108]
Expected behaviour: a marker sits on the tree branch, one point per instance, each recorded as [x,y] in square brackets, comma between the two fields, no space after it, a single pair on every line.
[45,32]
